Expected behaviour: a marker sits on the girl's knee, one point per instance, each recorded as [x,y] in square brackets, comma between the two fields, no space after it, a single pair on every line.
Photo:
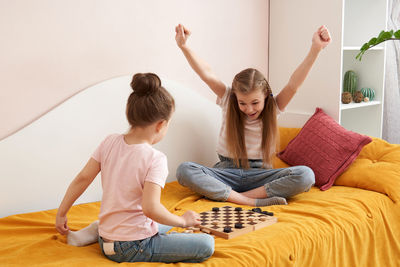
[206,242]
[307,176]
[183,172]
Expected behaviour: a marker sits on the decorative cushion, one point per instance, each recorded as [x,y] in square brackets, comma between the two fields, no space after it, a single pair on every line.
[377,168]
[324,146]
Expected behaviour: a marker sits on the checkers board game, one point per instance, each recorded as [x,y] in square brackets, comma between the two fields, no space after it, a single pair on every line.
[228,222]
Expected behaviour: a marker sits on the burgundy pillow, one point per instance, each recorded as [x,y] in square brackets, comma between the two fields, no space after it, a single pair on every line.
[324,146]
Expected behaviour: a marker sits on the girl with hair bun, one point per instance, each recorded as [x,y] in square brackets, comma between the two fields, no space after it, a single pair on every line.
[132,221]
[248,135]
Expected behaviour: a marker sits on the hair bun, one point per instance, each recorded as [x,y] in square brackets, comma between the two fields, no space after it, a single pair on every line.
[144,84]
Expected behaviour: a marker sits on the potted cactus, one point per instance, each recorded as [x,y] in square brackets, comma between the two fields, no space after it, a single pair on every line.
[350,82]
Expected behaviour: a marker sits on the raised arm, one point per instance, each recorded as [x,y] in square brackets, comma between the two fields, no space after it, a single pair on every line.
[320,40]
[197,64]
[75,190]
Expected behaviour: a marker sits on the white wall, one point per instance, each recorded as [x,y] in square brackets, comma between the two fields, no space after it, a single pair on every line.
[41,160]
[292,24]
[52,49]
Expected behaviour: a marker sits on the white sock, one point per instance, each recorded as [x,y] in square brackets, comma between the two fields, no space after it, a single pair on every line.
[85,236]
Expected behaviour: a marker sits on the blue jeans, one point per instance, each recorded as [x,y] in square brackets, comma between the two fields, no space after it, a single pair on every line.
[163,247]
[217,183]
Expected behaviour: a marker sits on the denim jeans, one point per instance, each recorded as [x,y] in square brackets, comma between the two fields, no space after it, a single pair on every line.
[163,247]
[217,183]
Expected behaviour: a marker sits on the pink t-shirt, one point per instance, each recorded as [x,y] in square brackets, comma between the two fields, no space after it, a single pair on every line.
[252,132]
[124,169]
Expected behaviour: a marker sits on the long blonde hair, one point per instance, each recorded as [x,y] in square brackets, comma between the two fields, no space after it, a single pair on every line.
[245,82]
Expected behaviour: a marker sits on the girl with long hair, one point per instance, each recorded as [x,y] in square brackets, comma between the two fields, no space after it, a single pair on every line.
[249,134]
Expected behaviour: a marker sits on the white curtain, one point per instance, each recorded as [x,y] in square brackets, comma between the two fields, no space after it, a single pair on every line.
[391,109]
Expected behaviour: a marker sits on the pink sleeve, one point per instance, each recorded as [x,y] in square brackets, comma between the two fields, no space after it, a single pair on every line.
[97,154]
[158,171]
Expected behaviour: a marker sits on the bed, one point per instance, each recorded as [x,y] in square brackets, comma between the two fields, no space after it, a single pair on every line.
[354,223]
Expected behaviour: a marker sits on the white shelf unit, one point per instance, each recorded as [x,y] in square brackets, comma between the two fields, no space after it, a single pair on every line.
[359,105]
[351,23]
[364,19]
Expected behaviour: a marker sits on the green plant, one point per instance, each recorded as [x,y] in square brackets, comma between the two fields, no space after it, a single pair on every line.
[350,82]
[382,37]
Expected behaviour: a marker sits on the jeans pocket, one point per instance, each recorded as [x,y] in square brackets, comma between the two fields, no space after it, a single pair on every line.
[128,247]
[134,251]
[144,250]
[125,251]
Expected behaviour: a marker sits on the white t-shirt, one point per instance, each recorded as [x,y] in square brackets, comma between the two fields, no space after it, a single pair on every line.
[124,169]
[252,132]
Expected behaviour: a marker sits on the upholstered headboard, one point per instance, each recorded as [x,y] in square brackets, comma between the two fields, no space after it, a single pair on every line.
[39,161]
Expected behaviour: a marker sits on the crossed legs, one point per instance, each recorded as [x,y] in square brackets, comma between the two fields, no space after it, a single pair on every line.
[253,187]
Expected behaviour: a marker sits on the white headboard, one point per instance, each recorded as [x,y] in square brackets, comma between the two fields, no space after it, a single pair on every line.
[39,161]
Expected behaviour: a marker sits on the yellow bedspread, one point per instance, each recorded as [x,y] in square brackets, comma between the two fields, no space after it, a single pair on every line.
[343,226]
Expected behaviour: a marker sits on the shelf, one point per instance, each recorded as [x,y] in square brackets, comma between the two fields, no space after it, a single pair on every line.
[357,48]
[359,105]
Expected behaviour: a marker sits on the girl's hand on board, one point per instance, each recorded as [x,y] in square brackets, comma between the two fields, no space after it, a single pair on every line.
[191,218]
[61,225]
[321,38]
[182,34]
